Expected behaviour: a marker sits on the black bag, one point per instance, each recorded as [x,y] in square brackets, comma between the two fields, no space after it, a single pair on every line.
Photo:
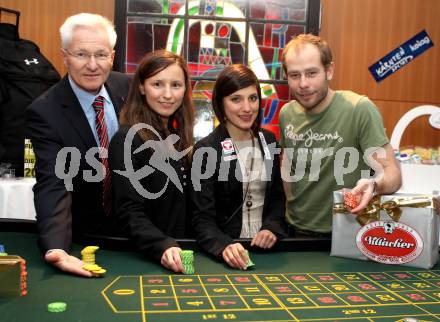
[24,75]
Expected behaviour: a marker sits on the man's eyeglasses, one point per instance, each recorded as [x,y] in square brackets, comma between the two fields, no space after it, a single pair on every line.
[85,56]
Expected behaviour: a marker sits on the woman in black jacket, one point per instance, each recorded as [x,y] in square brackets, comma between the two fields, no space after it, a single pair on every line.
[149,158]
[243,198]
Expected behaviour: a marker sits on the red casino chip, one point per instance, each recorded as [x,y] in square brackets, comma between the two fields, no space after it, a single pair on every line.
[350,200]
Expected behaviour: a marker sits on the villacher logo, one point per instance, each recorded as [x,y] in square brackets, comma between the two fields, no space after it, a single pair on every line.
[389,242]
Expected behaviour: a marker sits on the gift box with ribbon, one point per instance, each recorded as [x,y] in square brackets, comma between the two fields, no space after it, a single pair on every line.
[13,276]
[400,229]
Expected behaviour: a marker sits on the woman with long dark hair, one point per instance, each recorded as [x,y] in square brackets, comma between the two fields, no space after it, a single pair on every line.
[149,158]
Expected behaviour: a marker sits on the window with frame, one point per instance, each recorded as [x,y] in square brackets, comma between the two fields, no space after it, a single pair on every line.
[212,34]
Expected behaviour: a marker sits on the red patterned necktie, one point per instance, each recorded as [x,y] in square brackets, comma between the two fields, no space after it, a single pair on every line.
[101,128]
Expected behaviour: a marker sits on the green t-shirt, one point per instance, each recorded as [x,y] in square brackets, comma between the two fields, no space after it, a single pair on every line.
[343,132]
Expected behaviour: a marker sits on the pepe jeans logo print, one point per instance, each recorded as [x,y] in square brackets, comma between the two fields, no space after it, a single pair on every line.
[309,136]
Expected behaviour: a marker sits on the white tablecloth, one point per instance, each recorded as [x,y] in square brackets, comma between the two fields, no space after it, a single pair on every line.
[17,198]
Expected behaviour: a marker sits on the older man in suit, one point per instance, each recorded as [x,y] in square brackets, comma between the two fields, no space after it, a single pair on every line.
[79,113]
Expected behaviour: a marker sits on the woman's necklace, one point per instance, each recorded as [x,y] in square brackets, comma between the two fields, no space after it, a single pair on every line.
[247,196]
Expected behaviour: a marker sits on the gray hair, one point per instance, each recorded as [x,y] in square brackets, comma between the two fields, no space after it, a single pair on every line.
[87,20]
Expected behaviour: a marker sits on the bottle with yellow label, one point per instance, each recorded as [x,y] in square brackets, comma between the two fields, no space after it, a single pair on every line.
[29,159]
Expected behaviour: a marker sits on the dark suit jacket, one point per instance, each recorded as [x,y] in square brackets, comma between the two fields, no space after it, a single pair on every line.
[152,221]
[56,120]
[217,200]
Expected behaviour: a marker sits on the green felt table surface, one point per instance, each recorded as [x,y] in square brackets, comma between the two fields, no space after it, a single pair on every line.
[118,295]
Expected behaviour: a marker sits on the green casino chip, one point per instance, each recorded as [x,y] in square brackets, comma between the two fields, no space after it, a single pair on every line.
[188,269]
[56,307]
[250,263]
[187,254]
[187,257]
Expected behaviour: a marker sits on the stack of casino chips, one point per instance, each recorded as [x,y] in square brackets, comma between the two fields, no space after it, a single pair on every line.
[95,269]
[350,200]
[88,257]
[250,263]
[187,257]
[23,277]
[88,254]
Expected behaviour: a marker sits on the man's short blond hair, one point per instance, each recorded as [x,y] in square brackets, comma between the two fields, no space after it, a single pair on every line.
[302,39]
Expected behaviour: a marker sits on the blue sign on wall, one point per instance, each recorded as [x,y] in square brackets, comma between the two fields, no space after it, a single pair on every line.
[401,56]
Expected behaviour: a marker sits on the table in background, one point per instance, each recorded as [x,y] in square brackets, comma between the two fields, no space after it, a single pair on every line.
[17,198]
[283,286]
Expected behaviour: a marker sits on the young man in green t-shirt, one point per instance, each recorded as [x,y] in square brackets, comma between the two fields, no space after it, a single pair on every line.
[330,140]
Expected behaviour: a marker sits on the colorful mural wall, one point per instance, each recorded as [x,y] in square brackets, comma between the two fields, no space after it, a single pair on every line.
[214,34]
